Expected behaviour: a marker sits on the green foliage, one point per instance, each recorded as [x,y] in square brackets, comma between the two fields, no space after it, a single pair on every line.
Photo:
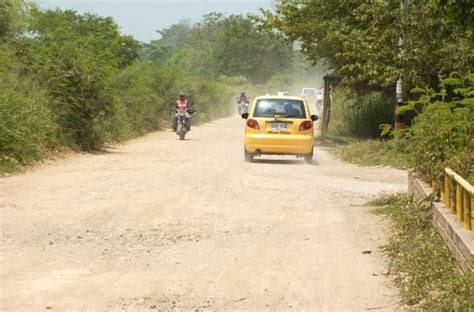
[247,51]
[172,39]
[441,136]
[233,80]
[360,115]
[459,12]
[75,54]
[388,201]
[211,99]
[79,100]
[136,103]
[12,18]
[86,33]
[360,39]
[73,80]
[373,153]
[425,270]
[142,93]
[222,46]
[27,128]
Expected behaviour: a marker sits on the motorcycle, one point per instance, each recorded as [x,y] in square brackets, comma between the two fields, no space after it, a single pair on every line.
[242,105]
[181,126]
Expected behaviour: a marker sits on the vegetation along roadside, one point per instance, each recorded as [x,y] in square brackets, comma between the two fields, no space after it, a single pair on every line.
[73,81]
[360,41]
[424,269]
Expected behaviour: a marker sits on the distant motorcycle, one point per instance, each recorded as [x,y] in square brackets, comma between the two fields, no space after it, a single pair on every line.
[182,126]
[242,104]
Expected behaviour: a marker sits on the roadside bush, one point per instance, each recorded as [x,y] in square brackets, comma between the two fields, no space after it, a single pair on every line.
[442,134]
[75,54]
[27,128]
[80,102]
[212,99]
[142,93]
[137,107]
[426,272]
[374,153]
[359,115]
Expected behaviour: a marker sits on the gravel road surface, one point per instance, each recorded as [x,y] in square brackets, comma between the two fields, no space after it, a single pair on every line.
[163,224]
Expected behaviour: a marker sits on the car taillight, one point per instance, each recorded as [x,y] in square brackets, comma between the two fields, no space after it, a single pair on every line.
[252,123]
[306,125]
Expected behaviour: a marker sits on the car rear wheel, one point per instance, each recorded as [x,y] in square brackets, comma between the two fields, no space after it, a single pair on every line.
[309,158]
[248,156]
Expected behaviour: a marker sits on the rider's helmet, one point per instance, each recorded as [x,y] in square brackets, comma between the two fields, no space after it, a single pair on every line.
[182,95]
[242,93]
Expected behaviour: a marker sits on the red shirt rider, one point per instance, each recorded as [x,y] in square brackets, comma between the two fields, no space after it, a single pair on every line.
[182,102]
[243,98]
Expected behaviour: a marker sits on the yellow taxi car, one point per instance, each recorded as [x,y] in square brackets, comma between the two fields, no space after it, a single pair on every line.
[279,125]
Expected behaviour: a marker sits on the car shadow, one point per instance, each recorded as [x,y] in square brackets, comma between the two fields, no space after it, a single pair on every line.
[283,162]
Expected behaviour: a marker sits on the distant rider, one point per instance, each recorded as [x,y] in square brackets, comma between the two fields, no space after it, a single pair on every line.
[242,102]
[182,104]
[242,98]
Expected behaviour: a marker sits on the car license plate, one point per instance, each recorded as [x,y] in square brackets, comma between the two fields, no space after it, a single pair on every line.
[279,126]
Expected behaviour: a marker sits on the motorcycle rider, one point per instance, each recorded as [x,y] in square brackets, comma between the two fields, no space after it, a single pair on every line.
[242,102]
[242,98]
[182,104]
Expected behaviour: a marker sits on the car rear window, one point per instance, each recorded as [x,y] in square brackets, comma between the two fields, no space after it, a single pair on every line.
[285,108]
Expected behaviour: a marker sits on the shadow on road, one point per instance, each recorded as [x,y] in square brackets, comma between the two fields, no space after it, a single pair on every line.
[283,162]
[276,161]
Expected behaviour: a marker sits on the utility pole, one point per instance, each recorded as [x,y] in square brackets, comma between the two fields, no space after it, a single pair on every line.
[400,117]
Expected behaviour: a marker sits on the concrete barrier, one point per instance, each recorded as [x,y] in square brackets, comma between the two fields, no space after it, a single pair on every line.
[458,240]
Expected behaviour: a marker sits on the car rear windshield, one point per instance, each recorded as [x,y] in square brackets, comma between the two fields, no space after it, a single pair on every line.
[281,107]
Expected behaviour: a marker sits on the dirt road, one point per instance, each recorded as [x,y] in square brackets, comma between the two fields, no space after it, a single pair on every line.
[165,224]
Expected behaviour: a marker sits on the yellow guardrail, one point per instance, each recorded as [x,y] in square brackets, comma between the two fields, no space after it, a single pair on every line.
[457,194]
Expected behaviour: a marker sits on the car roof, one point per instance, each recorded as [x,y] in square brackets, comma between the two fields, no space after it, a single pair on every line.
[279,97]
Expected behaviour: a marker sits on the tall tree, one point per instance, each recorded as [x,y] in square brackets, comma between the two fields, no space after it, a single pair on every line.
[13,16]
[223,45]
[359,39]
[75,54]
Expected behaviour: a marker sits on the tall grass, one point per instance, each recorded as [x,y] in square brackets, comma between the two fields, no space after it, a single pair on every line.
[359,115]
[34,118]
[27,127]
[424,269]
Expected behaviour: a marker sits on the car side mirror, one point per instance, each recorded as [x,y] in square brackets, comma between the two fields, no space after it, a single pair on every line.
[245,115]
[314,117]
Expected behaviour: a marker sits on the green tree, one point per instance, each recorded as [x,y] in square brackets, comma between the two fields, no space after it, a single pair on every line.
[460,12]
[75,54]
[248,51]
[91,33]
[13,18]
[27,127]
[222,46]
[172,39]
[359,39]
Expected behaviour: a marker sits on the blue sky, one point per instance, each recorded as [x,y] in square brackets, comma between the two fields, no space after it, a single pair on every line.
[142,18]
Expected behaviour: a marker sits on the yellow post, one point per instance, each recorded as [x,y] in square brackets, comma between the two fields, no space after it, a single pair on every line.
[441,190]
[452,197]
[446,191]
[458,204]
[467,212]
